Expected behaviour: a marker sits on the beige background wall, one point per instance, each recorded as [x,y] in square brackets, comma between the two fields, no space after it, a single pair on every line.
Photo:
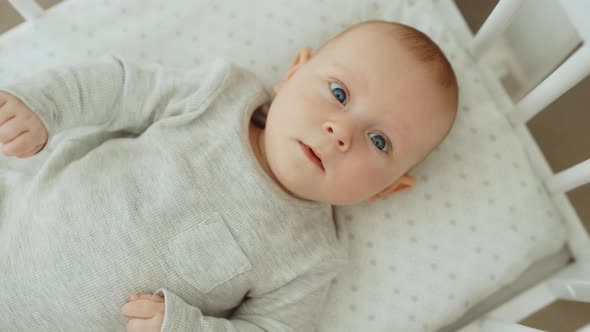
[562,133]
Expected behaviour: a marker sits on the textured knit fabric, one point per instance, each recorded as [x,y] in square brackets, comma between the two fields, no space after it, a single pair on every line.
[162,194]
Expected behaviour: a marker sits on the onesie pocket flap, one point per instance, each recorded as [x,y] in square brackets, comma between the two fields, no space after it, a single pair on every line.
[206,254]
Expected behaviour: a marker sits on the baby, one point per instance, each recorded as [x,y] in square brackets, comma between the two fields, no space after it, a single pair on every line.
[191,190]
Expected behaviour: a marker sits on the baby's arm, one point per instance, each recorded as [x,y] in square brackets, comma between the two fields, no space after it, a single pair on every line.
[296,306]
[111,92]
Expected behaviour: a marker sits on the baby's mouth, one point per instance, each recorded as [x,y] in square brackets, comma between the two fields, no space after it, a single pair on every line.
[310,153]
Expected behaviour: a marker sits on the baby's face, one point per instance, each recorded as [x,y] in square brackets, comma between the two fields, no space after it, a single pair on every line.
[368,109]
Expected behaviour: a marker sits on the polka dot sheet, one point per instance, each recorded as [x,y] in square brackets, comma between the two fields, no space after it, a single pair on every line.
[478,216]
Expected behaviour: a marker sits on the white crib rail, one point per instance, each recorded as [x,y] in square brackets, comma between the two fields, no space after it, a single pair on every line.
[570,178]
[572,282]
[494,25]
[567,75]
[492,325]
[29,9]
[572,71]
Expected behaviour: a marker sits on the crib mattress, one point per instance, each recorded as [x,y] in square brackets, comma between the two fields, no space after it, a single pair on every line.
[420,259]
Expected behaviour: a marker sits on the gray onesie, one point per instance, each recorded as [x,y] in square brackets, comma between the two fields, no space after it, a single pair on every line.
[155,190]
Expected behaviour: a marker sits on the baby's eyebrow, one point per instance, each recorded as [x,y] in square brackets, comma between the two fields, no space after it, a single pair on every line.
[352,79]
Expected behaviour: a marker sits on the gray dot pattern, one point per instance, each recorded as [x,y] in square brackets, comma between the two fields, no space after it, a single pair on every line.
[419,258]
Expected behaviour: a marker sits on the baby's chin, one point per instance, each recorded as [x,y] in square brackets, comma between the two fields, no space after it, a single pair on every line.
[294,181]
[331,199]
[304,190]
[345,202]
[343,198]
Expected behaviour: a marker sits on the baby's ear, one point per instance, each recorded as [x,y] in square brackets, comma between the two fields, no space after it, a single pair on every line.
[302,57]
[404,182]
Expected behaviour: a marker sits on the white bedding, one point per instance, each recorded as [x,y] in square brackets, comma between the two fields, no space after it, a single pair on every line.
[420,259]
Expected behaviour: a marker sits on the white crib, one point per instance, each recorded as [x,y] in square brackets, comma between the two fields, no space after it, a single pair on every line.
[572,282]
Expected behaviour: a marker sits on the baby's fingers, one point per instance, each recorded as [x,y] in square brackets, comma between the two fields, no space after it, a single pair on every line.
[31,152]
[142,309]
[22,143]
[11,128]
[153,297]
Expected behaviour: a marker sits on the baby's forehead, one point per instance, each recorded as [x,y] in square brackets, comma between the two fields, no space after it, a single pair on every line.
[352,36]
[382,31]
[377,69]
[375,43]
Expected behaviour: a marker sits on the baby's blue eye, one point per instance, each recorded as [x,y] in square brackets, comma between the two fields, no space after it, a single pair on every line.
[379,141]
[338,92]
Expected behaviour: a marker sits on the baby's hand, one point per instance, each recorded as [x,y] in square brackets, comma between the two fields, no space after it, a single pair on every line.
[21,131]
[146,312]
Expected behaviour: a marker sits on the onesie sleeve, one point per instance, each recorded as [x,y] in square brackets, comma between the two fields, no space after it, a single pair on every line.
[294,307]
[111,91]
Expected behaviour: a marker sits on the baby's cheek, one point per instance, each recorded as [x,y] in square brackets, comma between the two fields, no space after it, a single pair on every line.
[356,185]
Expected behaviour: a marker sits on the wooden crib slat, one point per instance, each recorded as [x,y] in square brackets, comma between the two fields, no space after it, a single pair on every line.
[573,177]
[572,71]
[28,9]
[494,25]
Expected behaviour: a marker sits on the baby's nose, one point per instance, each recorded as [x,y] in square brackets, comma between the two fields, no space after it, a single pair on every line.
[340,134]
